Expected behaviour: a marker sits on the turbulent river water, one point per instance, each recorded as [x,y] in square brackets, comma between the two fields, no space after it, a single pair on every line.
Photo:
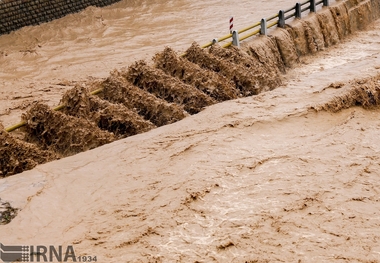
[289,175]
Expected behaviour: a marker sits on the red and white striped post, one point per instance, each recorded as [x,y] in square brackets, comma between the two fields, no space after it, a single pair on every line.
[231,24]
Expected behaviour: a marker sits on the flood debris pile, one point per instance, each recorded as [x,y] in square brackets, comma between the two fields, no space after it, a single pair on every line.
[265,65]
[215,85]
[146,95]
[364,93]
[166,87]
[17,155]
[118,90]
[115,118]
[61,133]
[7,212]
[243,79]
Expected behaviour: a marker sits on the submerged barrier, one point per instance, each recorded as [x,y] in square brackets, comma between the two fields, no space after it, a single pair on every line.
[275,20]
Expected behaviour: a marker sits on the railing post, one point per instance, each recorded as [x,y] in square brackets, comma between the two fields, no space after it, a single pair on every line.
[325,2]
[281,19]
[313,7]
[298,10]
[231,24]
[264,29]
[235,38]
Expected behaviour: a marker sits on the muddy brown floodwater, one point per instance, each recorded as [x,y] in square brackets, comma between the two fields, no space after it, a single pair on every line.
[288,175]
